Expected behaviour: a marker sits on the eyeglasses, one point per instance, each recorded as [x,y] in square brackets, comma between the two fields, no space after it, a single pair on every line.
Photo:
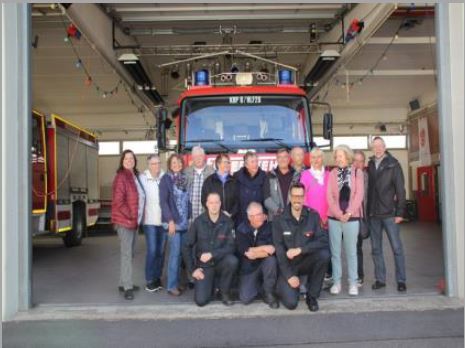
[298,196]
[226,162]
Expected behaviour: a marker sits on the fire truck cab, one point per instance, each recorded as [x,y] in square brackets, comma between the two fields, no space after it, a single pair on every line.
[236,112]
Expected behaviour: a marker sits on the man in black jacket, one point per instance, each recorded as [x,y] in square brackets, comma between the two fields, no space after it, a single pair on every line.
[250,181]
[223,183]
[386,204]
[258,268]
[211,235]
[301,249]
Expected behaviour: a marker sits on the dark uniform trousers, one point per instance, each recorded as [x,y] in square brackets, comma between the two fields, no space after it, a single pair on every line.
[266,274]
[225,269]
[314,266]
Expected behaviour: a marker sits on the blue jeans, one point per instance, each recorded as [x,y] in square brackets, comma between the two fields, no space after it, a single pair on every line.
[174,260]
[349,230]
[376,235]
[155,238]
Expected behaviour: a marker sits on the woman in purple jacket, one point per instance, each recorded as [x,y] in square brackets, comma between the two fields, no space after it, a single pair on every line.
[175,213]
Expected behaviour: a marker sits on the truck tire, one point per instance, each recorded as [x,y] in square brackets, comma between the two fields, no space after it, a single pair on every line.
[74,237]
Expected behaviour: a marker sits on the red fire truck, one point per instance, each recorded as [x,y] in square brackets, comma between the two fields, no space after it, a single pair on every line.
[65,191]
[237,111]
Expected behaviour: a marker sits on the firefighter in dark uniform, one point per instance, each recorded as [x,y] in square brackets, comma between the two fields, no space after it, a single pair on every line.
[211,235]
[258,270]
[302,248]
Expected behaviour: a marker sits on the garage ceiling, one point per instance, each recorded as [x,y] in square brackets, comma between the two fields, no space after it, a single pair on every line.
[170,32]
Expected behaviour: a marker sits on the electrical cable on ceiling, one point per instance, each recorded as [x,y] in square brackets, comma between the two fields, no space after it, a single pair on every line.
[72,32]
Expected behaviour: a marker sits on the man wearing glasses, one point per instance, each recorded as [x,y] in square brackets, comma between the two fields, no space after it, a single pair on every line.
[302,248]
[258,269]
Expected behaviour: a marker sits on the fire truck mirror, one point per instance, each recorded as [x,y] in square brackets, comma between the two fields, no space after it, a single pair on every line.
[162,124]
[327,125]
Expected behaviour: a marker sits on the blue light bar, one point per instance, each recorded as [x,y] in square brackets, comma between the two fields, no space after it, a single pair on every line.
[201,78]
[285,77]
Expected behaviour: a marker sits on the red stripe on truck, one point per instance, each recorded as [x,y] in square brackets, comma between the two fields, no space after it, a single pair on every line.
[93,212]
[64,215]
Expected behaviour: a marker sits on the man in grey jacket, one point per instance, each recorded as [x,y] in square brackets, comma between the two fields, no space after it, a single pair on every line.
[276,187]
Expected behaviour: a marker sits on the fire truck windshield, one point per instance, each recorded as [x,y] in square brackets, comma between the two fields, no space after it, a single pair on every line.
[236,122]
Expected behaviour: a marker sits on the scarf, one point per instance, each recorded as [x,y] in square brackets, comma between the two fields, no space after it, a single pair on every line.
[319,175]
[343,177]
[180,181]
[343,182]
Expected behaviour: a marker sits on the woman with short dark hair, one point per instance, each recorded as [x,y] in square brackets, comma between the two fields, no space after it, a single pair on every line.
[127,208]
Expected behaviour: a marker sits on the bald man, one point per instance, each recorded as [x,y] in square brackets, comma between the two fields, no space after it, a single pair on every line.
[258,270]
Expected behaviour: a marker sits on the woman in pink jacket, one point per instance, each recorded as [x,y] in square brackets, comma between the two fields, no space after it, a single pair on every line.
[315,179]
[345,195]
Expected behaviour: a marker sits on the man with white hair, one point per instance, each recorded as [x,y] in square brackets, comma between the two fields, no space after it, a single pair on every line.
[258,269]
[386,205]
[196,174]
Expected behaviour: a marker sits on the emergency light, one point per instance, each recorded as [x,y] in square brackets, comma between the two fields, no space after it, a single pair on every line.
[201,78]
[285,77]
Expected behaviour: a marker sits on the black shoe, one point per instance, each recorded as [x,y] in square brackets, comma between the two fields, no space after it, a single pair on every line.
[157,284]
[129,294]
[378,285]
[401,287]
[153,286]
[134,288]
[312,303]
[226,300]
[271,301]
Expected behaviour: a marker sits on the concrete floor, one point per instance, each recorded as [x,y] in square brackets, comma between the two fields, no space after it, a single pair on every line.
[402,328]
[88,275]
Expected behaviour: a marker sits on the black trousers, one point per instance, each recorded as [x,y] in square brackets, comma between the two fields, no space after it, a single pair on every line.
[361,274]
[264,276]
[314,266]
[225,269]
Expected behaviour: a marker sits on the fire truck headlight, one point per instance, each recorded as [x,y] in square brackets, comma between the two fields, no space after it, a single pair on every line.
[244,79]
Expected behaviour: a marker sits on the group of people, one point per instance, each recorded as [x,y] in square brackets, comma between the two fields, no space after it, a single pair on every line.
[276,234]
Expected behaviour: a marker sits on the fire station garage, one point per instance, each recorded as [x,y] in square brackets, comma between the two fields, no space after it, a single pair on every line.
[93,80]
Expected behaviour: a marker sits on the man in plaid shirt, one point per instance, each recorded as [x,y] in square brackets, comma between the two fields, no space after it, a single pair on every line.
[196,175]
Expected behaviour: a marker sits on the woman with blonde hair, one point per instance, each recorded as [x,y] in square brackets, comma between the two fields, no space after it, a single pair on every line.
[345,195]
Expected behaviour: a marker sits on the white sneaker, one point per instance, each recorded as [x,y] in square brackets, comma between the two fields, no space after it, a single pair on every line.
[353,290]
[335,289]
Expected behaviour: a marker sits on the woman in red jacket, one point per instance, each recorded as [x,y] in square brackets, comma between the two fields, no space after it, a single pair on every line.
[127,207]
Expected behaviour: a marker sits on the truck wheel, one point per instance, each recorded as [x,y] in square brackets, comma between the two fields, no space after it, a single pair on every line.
[74,237]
